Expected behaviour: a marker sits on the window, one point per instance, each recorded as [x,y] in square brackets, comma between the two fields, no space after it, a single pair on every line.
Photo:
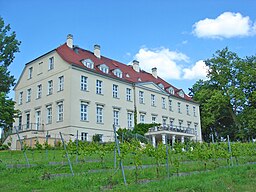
[153,100]
[50,87]
[84,111]
[104,68]
[118,73]
[179,107]
[51,63]
[38,119]
[40,68]
[129,119]
[116,117]
[20,123]
[142,118]
[115,91]
[49,114]
[83,85]
[141,97]
[30,70]
[128,94]
[171,122]
[180,124]
[60,111]
[187,109]
[99,114]
[27,120]
[153,119]
[20,98]
[181,93]
[98,87]
[161,85]
[84,136]
[164,121]
[163,103]
[171,90]
[28,95]
[61,83]
[88,63]
[196,125]
[39,91]
[194,111]
[170,105]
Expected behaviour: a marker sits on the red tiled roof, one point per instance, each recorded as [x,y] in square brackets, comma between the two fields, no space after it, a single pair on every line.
[76,57]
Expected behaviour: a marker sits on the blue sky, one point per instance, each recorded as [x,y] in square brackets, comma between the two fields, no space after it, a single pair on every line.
[174,36]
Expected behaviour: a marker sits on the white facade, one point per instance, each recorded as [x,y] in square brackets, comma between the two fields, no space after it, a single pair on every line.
[56,95]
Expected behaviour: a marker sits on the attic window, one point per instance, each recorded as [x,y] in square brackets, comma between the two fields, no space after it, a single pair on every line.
[127,75]
[181,93]
[118,73]
[171,90]
[88,63]
[161,85]
[139,79]
[104,68]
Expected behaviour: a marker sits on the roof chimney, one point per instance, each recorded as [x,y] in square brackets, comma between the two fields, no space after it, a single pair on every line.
[97,51]
[135,65]
[70,41]
[154,72]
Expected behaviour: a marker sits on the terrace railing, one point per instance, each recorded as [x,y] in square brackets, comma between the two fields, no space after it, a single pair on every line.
[29,127]
[173,128]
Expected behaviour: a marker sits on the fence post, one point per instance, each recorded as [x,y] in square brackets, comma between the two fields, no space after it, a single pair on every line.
[167,159]
[64,145]
[230,151]
[46,145]
[21,146]
[118,150]
[77,146]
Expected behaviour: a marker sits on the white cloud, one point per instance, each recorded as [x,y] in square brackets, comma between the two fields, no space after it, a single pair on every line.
[226,25]
[164,59]
[198,71]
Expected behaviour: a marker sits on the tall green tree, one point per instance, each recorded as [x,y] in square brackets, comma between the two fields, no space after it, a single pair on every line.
[227,97]
[9,45]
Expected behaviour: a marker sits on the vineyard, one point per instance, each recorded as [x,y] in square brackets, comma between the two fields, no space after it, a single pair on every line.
[136,163]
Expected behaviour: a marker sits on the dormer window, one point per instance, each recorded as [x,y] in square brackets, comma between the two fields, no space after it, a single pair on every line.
[127,75]
[161,85]
[104,68]
[139,79]
[118,73]
[171,90]
[88,63]
[181,93]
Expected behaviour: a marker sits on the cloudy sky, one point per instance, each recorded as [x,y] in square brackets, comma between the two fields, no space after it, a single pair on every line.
[174,36]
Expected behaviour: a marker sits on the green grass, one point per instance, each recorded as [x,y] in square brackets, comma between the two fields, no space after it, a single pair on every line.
[41,176]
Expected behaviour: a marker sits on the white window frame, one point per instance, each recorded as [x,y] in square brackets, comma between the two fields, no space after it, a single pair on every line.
[116,117]
[129,119]
[153,118]
[61,83]
[83,83]
[84,111]
[142,118]
[128,94]
[88,63]
[51,63]
[39,91]
[20,97]
[99,114]
[50,87]
[141,97]
[104,68]
[84,136]
[38,119]
[49,114]
[163,103]
[28,95]
[28,120]
[170,105]
[115,91]
[60,111]
[194,111]
[30,71]
[118,73]
[99,84]
[187,109]
[179,107]
[153,100]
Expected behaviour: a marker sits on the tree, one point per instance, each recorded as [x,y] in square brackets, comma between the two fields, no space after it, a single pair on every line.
[9,45]
[228,96]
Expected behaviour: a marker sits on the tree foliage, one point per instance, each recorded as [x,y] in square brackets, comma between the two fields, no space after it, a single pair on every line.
[9,45]
[228,96]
